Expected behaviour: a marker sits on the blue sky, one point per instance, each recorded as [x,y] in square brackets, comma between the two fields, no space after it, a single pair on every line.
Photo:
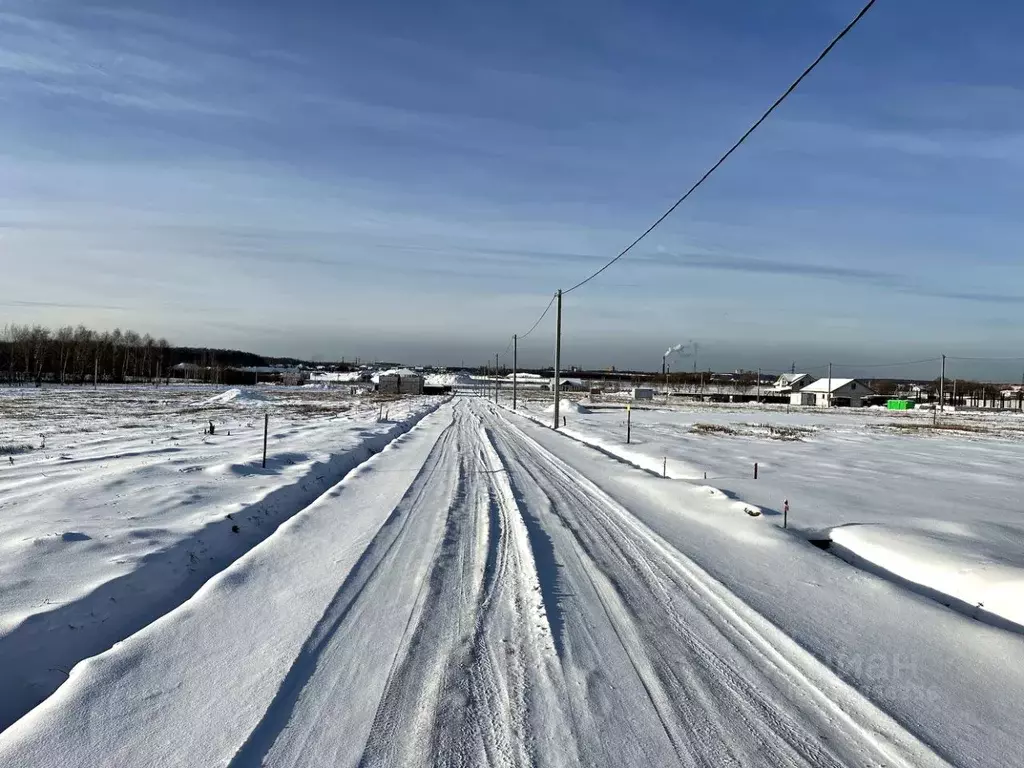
[413,180]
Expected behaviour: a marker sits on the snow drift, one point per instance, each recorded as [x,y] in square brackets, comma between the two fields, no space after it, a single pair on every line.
[567,406]
[975,568]
[237,396]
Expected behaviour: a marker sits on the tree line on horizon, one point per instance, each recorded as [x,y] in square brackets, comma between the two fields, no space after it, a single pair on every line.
[81,355]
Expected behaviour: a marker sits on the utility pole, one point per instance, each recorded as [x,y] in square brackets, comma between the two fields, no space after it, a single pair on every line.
[558,356]
[828,395]
[497,380]
[515,372]
[942,386]
[942,392]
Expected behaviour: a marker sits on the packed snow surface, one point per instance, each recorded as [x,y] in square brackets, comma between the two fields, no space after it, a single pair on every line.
[486,591]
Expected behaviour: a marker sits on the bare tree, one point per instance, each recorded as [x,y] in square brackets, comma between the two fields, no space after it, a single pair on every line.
[84,353]
[39,338]
[147,356]
[10,336]
[65,338]
[163,366]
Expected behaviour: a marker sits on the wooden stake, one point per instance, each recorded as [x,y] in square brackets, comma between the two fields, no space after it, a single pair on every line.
[266,425]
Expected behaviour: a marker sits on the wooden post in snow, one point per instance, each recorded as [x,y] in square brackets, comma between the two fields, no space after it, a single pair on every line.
[266,425]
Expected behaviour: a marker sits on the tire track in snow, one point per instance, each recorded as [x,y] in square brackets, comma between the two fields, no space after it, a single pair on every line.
[323,655]
[446,597]
[480,683]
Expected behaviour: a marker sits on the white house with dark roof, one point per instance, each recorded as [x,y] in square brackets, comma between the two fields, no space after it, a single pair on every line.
[833,392]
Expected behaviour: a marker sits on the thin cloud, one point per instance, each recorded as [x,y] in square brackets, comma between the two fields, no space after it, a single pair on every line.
[63,305]
[757,266]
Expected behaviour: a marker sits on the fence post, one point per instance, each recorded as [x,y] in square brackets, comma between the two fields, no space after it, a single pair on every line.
[785,513]
[629,424]
[266,424]
[664,466]
[755,470]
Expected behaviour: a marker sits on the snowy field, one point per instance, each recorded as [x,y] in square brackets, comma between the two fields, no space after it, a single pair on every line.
[115,506]
[939,507]
[486,591]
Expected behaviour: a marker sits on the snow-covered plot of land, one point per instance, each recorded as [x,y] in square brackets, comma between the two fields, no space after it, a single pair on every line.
[946,504]
[467,597]
[487,591]
[115,506]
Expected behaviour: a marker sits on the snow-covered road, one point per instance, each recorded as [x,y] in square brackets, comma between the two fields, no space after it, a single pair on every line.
[466,597]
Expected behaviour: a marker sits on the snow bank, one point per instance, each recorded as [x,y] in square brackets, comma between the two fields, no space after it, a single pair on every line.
[567,406]
[976,568]
[239,396]
[448,380]
[345,377]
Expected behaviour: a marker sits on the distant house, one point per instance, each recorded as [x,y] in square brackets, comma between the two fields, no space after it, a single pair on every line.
[567,385]
[400,381]
[843,392]
[788,383]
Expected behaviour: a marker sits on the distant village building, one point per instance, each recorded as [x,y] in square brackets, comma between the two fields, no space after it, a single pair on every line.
[843,392]
[789,383]
[567,385]
[400,382]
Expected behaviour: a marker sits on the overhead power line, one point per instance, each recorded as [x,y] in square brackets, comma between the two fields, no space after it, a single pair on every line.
[990,359]
[539,319]
[887,365]
[734,147]
[533,327]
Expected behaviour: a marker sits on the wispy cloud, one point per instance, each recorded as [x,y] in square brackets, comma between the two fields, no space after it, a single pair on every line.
[141,62]
[837,273]
[63,305]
